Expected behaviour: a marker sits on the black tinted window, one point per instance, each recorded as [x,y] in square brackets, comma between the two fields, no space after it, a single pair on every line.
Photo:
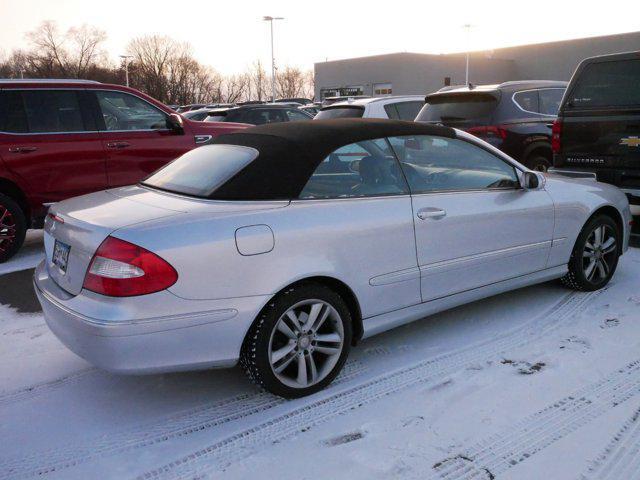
[12,115]
[340,112]
[53,111]
[260,116]
[436,164]
[550,99]
[607,84]
[361,169]
[392,111]
[408,110]
[527,100]
[457,107]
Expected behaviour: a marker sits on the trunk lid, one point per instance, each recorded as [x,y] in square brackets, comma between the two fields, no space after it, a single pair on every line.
[82,224]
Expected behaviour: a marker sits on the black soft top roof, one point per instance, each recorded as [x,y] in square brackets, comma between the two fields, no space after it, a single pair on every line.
[289,152]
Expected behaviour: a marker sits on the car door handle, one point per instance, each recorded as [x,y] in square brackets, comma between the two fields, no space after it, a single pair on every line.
[431,212]
[23,149]
[118,144]
[550,125]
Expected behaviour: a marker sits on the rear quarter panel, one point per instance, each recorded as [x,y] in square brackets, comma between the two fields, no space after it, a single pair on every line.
[351,240]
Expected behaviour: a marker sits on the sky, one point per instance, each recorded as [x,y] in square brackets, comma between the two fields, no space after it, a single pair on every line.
[230,35]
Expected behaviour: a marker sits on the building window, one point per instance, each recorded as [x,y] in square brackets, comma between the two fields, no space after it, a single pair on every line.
[447,81]
[380,89]
[349,91]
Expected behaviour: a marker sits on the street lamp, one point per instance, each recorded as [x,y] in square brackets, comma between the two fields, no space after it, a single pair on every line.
[126,67]
[467,27]
[273,58]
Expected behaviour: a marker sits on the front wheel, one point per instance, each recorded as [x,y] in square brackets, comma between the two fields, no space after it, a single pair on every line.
[13,227]
[595,255]
[538,163]
[299,342]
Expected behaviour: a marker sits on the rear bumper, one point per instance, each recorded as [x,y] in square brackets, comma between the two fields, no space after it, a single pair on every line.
[124,336]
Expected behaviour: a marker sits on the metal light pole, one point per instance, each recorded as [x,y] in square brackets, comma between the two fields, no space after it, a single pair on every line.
[273,58]
[467,27]
[126,67]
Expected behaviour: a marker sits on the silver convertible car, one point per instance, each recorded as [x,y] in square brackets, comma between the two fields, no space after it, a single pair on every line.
[282,246]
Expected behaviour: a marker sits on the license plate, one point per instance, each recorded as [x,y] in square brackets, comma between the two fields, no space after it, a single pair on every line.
[61,255]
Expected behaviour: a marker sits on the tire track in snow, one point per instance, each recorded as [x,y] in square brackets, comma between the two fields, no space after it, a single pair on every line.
[178,425]
[621,458]
[46,387]
[515,444]
[216,456]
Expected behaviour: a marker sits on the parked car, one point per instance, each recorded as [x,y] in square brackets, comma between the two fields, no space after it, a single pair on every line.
[198,115]
[341,98]
[515,117]
[298,100]
[598,125]
[188,108]
[64,138]
[258,114]
[396,107]
[282,247]
[310,108]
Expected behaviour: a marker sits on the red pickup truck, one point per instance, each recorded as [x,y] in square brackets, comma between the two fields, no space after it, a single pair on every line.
[62,138]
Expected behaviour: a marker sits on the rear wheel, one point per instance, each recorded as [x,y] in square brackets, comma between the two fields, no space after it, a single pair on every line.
[595,255]
[538,162]
[300,341]
[13,227]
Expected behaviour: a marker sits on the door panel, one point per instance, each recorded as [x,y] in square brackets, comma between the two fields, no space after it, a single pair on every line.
[484,237]
[135,136]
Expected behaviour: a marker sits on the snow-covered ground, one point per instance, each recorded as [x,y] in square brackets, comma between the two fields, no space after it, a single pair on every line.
[538,383]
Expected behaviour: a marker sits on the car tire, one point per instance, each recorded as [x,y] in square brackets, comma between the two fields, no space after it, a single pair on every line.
[539,163]
[595,255]
[290,355]
[13,227]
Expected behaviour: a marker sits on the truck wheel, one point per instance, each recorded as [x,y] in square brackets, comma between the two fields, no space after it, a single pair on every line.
[539,163]
[13,227]
[299,342]
[595,256]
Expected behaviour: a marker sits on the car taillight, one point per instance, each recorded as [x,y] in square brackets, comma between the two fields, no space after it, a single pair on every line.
[122,269]
[556,136]
[489,131]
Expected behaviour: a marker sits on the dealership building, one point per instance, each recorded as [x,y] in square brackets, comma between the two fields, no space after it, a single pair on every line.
[419,73]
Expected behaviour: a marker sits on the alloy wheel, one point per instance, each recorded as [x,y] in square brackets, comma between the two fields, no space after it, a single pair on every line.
[599,254]
[306,343]
[7,229]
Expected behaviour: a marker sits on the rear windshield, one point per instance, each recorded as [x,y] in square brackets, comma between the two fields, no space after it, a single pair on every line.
[457,107]
[607,84]
[201,171]
[340,112]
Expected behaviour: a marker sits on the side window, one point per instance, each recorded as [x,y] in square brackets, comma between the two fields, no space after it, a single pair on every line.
[408,110]
[260,116]
[296,116]
[440,164]
[13,118]
[550,99]
[527,101]
[122,111]
[362,169]
[51,111]
[391,110]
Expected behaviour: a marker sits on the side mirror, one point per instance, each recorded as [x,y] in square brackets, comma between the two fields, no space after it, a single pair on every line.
[531,181]
[175,123]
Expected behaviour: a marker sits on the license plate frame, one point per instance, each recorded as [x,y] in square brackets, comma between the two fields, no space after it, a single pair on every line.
[60,257]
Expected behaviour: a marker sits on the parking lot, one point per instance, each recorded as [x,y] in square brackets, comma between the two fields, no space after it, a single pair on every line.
[539,382]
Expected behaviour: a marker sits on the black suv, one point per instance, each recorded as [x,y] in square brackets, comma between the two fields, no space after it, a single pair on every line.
[515,117]
[598,125]
[258,114]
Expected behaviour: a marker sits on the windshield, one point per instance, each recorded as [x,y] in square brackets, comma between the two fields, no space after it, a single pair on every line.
[201,171]
[607,84]
[457,107]
[340,112]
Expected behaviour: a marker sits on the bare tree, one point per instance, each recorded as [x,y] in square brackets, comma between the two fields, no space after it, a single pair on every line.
[258,82]
[293,82]
[236,88]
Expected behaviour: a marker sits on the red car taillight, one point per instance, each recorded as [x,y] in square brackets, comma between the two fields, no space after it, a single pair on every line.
[490,131]
[122,269]
[556,136]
